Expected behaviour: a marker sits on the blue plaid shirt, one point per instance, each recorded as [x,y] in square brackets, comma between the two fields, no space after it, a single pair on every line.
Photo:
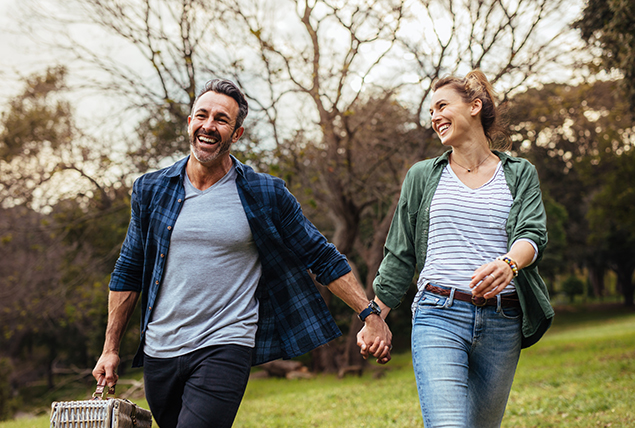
[294,318]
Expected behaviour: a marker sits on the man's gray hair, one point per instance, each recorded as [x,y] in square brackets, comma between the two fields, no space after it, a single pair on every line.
[226,87]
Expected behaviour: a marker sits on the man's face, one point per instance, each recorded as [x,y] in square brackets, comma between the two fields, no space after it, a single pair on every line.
[211,127]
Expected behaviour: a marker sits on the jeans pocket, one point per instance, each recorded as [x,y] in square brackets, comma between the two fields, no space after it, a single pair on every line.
[433,300]
[511,313]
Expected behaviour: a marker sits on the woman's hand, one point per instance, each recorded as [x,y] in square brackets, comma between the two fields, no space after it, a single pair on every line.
[491,278]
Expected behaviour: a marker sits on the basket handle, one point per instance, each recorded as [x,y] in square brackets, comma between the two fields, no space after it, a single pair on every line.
[101,392]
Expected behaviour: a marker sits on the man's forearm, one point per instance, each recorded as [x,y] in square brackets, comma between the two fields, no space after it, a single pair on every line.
[350,291]
[121,305]
[375,338]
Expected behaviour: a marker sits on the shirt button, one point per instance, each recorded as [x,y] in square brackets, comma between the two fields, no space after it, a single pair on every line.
[156,282]
[162,255]
[180,200]
[169,227]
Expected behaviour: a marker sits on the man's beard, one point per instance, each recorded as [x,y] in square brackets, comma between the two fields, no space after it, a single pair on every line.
[207,156]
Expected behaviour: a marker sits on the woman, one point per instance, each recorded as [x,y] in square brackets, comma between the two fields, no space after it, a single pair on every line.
[472,224]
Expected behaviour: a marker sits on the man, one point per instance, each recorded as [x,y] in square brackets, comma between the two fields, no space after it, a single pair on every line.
[219,255]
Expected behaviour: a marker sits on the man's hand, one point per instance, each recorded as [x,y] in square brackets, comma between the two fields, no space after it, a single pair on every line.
[106,369]
[375,339]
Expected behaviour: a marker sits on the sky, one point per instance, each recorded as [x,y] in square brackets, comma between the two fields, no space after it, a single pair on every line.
[19,54]
[9,51]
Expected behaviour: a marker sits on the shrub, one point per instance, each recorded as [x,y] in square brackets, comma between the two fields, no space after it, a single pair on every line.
[6,401]
[573,286]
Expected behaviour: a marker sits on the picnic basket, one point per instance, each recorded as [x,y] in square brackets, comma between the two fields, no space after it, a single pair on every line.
[99,412]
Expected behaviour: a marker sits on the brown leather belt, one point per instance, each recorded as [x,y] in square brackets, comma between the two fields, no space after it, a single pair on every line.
[507,300]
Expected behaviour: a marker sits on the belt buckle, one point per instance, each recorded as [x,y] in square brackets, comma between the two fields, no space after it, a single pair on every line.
[479,299]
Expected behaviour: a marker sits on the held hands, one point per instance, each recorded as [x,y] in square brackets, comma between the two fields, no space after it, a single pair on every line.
[105,369]
[375,339]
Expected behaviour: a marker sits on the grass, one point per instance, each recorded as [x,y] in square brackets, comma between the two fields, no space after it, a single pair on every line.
[390,401]
[581,374]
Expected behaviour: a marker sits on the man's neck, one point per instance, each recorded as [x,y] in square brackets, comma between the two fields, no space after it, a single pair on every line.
[204,176]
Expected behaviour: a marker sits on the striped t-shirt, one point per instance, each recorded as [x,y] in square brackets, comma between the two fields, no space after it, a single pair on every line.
[467,229]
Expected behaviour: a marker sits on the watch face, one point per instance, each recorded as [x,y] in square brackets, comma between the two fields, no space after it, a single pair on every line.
[374,307]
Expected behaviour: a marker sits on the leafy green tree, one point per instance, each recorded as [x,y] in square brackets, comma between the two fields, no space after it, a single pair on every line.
[576,136]
[608,25]
[552,262]
[612,219]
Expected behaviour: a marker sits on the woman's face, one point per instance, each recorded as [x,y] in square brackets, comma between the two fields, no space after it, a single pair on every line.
[452,118]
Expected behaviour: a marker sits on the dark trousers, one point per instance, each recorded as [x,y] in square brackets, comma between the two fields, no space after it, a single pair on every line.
[202,389]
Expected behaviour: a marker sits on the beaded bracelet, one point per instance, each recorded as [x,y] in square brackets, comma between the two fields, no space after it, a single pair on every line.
[512,264]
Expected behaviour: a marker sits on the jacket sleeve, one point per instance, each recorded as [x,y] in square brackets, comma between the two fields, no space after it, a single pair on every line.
[397,268]
[531,222]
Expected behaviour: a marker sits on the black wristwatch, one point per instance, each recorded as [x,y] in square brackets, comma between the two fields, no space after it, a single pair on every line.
[373,308]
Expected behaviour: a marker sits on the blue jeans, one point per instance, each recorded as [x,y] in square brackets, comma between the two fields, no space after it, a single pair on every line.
[464,359]
[202,389]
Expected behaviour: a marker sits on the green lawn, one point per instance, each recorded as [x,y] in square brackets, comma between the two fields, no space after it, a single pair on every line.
[582,374]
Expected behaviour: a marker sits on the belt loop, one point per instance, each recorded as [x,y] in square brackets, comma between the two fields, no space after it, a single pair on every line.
[451,298]
[499,303]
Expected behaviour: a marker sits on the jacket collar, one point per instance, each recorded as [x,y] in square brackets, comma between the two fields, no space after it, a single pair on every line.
[444,158]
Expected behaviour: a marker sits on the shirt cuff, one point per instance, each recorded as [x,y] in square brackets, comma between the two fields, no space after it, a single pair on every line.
[533,244]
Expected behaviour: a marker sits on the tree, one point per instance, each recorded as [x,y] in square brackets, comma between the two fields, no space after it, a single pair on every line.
[57,244]
[612,220]
[552,263]
[6,400]
[36,126]
[156,53]
[580,139]
[338,89]
[572,286]
[608,26]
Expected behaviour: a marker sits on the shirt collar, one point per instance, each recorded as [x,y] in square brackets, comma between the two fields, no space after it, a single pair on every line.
[240,168]
[178,168]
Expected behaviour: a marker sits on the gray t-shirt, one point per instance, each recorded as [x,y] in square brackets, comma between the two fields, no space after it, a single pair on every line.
[207,296]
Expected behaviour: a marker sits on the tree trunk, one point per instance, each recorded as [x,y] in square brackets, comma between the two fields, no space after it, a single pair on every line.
[625,284]
[324,357]
[52,355]
[372,257]
[596,276]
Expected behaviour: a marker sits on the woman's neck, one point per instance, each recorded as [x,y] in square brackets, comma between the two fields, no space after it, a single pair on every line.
[470,156]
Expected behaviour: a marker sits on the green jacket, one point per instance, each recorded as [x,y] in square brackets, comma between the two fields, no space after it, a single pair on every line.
[407,241]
